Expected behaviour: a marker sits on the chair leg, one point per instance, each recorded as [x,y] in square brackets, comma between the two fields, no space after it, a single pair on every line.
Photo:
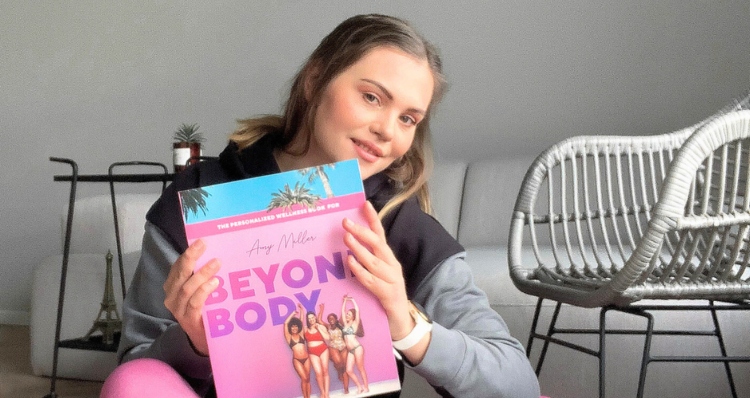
[644,311]
[723,349]
[550,332]
[646,359]
[600,356]
[532,332]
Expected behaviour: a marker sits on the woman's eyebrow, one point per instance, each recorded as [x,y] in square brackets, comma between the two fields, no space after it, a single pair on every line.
[390,96]
[380,86]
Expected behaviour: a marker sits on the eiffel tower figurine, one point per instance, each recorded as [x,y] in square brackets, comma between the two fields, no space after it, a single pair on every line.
[108,321]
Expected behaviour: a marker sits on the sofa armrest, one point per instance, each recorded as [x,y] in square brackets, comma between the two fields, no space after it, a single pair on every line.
[446,192]
[84,292]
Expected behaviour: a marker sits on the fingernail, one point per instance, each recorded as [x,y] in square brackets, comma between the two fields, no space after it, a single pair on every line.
[348,222]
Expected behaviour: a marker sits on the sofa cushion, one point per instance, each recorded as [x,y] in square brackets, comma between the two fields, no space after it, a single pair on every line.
[489,196]
[489,266]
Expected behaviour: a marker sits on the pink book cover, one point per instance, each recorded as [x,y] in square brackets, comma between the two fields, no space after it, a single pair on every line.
[280,241]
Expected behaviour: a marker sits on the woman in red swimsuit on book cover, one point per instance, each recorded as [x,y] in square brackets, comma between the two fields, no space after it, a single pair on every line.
[292,333]
[316,336]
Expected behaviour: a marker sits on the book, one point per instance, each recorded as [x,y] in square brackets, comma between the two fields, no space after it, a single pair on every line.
[280,242]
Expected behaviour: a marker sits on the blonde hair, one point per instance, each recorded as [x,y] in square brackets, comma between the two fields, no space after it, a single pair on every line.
[341,48]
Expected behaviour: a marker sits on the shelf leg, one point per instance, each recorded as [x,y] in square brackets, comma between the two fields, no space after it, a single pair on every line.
[63,271]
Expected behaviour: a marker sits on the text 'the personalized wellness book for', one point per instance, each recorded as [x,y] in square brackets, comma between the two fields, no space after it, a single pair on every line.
[280,242]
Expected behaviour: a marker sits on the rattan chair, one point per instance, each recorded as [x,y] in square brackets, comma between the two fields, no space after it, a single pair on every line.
[607,221]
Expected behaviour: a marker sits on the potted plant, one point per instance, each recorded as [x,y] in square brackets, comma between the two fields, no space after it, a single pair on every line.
[188,143]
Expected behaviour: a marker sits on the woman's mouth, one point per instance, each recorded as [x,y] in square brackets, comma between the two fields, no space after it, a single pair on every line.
[367,151]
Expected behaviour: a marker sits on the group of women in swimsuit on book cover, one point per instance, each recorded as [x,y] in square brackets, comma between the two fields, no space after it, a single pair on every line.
[316,341]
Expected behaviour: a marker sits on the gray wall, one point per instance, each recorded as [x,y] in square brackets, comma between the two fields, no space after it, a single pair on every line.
[100,82]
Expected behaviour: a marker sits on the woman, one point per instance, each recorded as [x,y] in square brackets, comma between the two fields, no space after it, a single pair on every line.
[316,336]
[300,356]
[366,92]
[356,353]
[336,345]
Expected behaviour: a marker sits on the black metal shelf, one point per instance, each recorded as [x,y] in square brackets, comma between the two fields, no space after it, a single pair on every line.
[155,177]
[95,342]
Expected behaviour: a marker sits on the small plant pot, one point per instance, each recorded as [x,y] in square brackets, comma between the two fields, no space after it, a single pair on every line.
[182,152]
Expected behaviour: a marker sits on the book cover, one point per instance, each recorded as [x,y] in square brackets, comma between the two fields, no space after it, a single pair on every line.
[280,241]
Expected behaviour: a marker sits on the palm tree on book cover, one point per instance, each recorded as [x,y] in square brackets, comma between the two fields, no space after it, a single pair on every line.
[287,197]
[319,172]
[193,200]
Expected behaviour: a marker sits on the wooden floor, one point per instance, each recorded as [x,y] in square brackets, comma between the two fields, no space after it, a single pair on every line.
[16,380]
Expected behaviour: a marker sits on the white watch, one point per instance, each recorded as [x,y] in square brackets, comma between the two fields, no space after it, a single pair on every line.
[424,326]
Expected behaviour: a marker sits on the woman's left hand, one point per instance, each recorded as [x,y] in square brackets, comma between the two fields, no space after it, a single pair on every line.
[376,267]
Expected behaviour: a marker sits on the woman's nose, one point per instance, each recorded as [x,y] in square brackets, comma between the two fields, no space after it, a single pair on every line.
[385,126]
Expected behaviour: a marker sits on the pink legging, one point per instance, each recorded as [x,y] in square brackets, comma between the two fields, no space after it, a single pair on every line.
[145,378]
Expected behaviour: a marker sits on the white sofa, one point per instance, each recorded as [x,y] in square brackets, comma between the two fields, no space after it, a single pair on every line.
[93,235]
[474,202]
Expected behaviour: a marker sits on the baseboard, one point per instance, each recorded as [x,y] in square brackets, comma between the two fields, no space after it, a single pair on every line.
[8,317]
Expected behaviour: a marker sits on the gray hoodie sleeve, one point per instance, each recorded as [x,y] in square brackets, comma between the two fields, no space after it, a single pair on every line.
[471,352]
[149,329]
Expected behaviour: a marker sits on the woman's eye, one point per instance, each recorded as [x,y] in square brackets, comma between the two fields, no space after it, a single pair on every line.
[408,120]
[371,98]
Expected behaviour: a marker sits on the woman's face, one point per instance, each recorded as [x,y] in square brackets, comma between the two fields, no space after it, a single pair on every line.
[349,316]
[311,319]
[369,112]
[294,329]
[332,319]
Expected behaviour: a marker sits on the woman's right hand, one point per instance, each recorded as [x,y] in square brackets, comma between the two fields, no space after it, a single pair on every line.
[187,291]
